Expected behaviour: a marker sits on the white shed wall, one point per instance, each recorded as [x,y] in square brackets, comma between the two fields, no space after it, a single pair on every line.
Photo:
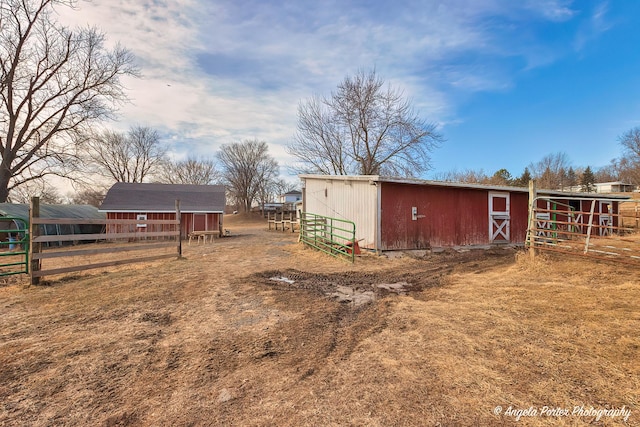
[353,200]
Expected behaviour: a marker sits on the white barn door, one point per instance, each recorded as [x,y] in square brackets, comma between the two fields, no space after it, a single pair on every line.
[499,217]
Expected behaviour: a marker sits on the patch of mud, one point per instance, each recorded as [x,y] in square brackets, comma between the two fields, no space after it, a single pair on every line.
[355,288]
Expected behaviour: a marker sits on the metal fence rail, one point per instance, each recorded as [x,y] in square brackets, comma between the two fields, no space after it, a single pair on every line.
[333,236]
[14,251]
[607,230]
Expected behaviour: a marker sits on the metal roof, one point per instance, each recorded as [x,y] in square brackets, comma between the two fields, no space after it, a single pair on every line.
[136,197]
[415,181]
[21,210]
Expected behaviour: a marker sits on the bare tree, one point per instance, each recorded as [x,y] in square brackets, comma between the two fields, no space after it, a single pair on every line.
[468,176]
[53,83]
[129,157]
[247,167]
[47,193]
[190,171]
[363,128]
[629,171]
[608,173]
[89,196]
[630,142]
[551,172]
[629,164]
[272,189]
[320,144]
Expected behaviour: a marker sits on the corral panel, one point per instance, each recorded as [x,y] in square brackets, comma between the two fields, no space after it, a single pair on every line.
[353,200]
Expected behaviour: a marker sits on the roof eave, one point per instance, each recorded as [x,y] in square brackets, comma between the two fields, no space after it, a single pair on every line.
[160,211]
[416,181]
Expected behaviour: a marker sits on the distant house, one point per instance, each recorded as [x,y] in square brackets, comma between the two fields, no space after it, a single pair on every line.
[201,206]
[604,187]
[19,214]
[291,197]
[614,187]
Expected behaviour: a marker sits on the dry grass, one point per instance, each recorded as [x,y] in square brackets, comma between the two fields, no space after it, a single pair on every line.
[209,341]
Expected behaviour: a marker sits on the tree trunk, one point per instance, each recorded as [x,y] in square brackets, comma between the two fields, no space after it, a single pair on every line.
[5,176]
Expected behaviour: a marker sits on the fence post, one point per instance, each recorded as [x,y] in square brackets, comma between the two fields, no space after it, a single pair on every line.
[34,248]
[532,218]
[590,227]
[179,219]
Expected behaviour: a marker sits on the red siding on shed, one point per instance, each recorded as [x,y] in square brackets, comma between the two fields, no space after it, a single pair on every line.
[447,216]
[519,217]
[213,220]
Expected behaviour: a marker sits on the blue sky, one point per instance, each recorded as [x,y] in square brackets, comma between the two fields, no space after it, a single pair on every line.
[506,81]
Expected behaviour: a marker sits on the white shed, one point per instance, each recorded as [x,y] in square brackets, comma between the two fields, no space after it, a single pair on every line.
[353,198]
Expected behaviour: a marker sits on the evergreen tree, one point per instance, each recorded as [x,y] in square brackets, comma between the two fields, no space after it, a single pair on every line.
[523,180]
[587,180]
[572,177]
[501,177]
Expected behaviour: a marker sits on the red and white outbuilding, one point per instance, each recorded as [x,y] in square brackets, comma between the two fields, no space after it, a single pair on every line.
[201,206]
[408,214]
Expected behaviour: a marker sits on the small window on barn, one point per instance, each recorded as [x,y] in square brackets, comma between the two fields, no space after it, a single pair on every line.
[142,217]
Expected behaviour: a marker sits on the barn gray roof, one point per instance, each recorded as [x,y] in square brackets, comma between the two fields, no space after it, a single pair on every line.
[132,197]
[21,210]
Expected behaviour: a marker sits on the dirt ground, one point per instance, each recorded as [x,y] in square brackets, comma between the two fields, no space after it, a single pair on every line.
[256,330]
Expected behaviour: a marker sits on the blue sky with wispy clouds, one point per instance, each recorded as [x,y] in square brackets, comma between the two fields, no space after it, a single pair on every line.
[506,81]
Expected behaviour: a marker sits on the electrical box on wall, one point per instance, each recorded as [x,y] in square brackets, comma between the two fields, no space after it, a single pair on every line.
[414,214]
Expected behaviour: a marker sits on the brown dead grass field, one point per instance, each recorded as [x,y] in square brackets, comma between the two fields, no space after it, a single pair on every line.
[213,340]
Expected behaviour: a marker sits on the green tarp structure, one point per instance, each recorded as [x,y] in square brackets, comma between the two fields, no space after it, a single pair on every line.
[21,211]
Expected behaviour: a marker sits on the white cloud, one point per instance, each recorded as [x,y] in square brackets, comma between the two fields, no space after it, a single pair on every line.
[554,10]
[221,71]
[593,27]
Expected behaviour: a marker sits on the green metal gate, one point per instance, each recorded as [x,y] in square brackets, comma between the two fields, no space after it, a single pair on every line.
[334,236]
[14,247]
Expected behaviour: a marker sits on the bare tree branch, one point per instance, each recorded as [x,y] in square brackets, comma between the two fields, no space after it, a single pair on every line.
[551,172]
[191,171]
[53,83]
[629,164]
[130,157]
[247,170]
[363,128]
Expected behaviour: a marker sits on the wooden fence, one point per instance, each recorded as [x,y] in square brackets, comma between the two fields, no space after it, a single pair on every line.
[283,220]
[133,235]
[607,230]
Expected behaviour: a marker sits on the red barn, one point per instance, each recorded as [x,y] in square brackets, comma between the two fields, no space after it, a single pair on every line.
[201,206]
[406,214]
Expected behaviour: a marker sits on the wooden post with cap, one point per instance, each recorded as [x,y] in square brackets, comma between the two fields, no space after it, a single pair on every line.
[532,218]
[34,248]
[179,225]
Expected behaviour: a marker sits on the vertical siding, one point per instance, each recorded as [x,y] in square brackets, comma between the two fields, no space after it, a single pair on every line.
[519,217]
[448,216]
[213,222]
[351,200]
